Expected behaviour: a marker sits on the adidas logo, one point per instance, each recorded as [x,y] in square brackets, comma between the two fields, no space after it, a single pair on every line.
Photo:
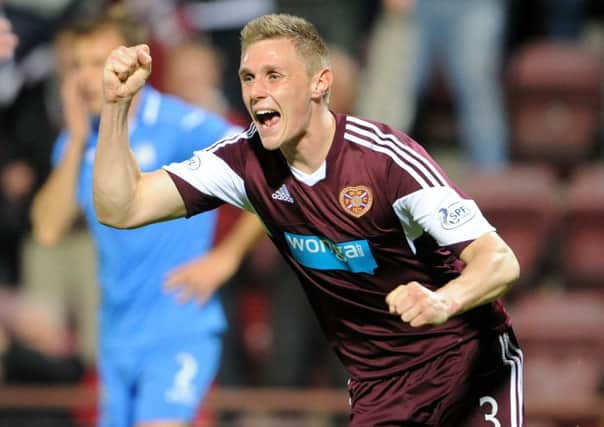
[283,194]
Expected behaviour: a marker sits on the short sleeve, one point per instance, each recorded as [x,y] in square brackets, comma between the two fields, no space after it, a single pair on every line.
[442,213]
[216,173]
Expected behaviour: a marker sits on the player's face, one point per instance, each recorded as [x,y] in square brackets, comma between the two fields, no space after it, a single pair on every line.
[90,54]
[276,90]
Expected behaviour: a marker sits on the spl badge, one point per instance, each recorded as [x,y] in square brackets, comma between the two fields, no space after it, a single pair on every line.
[356,200]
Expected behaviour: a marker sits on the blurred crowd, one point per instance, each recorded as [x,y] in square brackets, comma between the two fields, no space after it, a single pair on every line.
[488,86]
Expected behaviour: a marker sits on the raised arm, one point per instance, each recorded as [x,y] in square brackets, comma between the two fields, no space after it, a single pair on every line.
[123,196]
[54,207]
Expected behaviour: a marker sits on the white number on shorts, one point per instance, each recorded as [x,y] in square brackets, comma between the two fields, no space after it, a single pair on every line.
[494,407]
[182,390]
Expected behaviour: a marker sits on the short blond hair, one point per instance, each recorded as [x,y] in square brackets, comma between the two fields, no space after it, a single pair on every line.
[304,35]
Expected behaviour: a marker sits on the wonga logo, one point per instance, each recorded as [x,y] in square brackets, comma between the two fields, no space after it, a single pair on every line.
[323,254]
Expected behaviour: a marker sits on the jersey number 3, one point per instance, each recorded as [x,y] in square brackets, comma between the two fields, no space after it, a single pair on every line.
[492,405]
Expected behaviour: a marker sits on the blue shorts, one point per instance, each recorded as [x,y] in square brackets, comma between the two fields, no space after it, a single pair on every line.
[165,381]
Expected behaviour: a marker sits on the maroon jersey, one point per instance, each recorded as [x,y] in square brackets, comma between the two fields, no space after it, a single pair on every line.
[378,213]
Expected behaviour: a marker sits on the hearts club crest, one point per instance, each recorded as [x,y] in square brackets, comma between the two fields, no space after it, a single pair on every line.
[356,200]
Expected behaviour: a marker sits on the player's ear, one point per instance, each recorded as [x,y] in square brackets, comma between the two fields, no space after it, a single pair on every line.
[321,83]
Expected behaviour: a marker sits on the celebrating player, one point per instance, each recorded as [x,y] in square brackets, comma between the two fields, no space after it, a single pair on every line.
[399,265]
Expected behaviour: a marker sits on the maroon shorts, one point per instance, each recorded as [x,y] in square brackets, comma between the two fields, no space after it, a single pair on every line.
[478,384]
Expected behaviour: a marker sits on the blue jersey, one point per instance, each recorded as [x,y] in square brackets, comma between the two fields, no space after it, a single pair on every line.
[133,263]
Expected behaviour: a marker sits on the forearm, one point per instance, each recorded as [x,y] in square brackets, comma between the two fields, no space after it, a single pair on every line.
[491,269]
[54,207]
[116,172]
[242,237]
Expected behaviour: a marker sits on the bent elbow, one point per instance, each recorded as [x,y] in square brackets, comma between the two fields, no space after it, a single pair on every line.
[46,232]
[46,237]
[512,268]
[112,221]
[108,222]
[108,214]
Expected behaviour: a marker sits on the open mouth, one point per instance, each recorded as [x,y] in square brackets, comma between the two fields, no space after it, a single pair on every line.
[267,118]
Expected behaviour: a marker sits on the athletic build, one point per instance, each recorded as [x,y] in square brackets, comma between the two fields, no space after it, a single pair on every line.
[399,265]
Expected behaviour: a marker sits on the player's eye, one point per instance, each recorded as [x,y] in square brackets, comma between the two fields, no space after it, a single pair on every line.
[246,78]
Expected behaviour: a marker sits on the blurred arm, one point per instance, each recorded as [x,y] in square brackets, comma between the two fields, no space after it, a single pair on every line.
[55,207]
[398,7]
[8,40]
[201,277]
[242,237]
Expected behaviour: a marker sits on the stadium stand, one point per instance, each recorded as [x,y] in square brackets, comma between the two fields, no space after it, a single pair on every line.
[562,339]
[554,97]
[582,249]
[544,412]
[522,202]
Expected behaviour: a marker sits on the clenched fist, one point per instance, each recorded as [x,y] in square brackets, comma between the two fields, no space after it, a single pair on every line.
[126,71]
[419,306]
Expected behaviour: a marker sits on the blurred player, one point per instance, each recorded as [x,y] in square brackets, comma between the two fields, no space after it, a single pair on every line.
[8,40]
[401,268]
[157,358]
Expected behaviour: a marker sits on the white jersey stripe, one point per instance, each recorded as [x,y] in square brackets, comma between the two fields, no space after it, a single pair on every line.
[390,154]
[404,156]
[513,389]
[382,136]
[402,146]
[247,134]
[516,354]
[515,411]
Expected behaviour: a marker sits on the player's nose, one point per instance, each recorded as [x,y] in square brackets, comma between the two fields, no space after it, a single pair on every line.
[257,90]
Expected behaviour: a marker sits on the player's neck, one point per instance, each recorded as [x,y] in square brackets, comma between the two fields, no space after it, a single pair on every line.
[311,150]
